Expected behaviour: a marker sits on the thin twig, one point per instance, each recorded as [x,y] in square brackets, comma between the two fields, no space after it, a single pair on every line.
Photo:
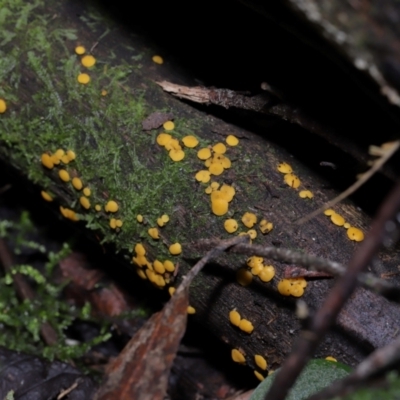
[376,362]
[326,315]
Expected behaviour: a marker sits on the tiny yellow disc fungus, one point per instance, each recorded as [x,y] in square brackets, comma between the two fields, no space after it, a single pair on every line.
[160,222]
[80,50]
[158,60]
[265,226]
[97,207]
[292,180]
[64,175]
[284,168]
[330,358]
[306,194]
[355,234]
[296,291]
[47,161]
[249,219]
[203,176]
[284,287]
[119,223]
[234,317]
[208,162]
[260,361]
[337,219]
[219,207]
[140,250]
[158,267]
[237,356]
[104,92]
[219,148]
[216,169]
[226,162]
[163,138]
[88,61]
[252,233]
[141,273]
[83,78]
[228,191]
[346,225]
[65,159]
[165,218]
[246,326]
[85,203]
[169,266]
[214,185]
[71,155]
[191,310]
[46,196]
[259,376]
[3,106]
[176,155]
[267,273]
[153,232]
[113,223]
[208,190]
[190,141]
[329,212]
[255,261]
[232,140]
[139,218]
[68,213]
[111,206]
[257,269]
[77,183]
[87,192]
[231,225]
[168,125]
[171,290]
[203,154]
[244,277]
[58,155]
[175,249]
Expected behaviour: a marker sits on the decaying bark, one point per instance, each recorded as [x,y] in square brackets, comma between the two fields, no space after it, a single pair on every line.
[48,109]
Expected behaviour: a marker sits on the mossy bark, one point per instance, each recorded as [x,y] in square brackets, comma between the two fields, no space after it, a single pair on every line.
[48,109]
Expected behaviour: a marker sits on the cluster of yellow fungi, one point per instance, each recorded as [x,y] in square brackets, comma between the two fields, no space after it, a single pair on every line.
[87,61]
[353,233]
[243,324]
[265,272]
[172,144]
[293,180]
[292,286]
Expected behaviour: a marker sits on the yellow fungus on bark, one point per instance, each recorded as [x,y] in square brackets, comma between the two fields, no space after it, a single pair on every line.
[337,219]
[284,168]
[119,223]
[168,125]
[190,141]
[228,191]
[265,226]
[259,376]
[203,176]
[77,183]
[139,218]
[171,290]
[292,180]
[173,144]
[175,249]
[47,161]
[257,269]
[68,213]
[141,273]
[80,50]
[111,206]
[232,140]
[234,317]
[255,261]
[306,194]
[355,234]
[246,326]
[267,273]
[346,225]
[237,356]
[176,155]
[329,212]
[71,155]
[64,175]
[160,222]
[158,266]
[260,361]
[284,287]
[46,196]
[88,61]
[244,277]
[65,159]
[216,169]
[97,207]
[153,232]
[83,78]
[169,266]
[208,190]
[85,203]
[104,92]
[219,148]
[163,138]
[252,233]
[203,154]
[191,310]
[231,225]
[87,192]
[139,249]
[249,219]
[157,59]
[3,106]
[330,358]
[219,207]
[165,218]
[113,223]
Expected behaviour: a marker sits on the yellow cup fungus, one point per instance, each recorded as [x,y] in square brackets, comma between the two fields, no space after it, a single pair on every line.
[267,273]
[158,59]
[232,140]
[246,326]
[191,310]
[219,206]
[154,233]
[171,290]
[292,286]
[139,218]
[306,194]
[85,203]
[65,159]
[83,78]
[46,196]
[68,213]
[252,233]
[176,154]
[337,219]
[219,148]
[259,376]
[260,361]
[158,267]
[141,273]
[87,192]
[97,207]
[203,176]
[168,125]
[104,92]
[169,266]
[203,154]
[162,220]
[88,61]
[175,249]
[3,106]
[77,183]
[329,212]
[255,261]
[71,155]
[80,50]
[292,180]
[47,161]
[139,249]
[234,317]
[190,141]
[64,175]
[355,234]
[115,223]
[257,269]
[216,169]
[284,168]
[266,226]
[249,219]
[330,358]
[244,277]
[346,225]
[237,356]
[111,206]
[231,225]
[163,138]
[228,192]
